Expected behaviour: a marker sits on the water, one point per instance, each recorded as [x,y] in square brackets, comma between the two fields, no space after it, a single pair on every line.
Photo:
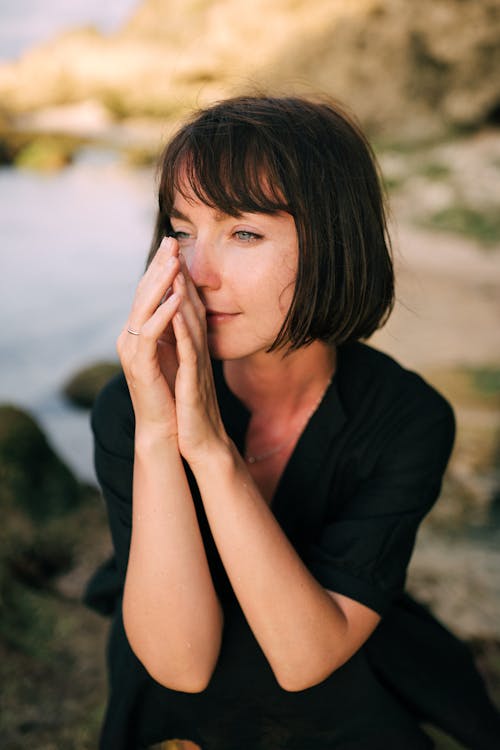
[73,245]
[24,23]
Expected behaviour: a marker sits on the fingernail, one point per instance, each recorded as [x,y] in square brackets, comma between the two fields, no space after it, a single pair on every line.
[174,298]
[170,262]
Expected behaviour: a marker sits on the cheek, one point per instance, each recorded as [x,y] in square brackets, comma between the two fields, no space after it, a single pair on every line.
[270,284]
[286,296]
[286,282]
[186,249]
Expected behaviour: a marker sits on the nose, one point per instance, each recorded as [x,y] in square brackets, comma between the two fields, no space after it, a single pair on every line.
[202,263]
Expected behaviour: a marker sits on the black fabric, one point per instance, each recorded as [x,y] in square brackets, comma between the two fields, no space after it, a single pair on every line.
[434,674]
[365,471]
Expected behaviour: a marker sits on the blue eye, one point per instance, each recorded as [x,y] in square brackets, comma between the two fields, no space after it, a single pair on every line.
[178,235]
[246,236]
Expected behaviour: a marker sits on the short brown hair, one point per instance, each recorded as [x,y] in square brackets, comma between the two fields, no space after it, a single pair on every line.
[306,157]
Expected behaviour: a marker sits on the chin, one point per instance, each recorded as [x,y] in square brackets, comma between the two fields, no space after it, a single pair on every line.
[233,349]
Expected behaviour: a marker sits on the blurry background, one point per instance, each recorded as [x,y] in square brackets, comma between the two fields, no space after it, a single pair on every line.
[88,93]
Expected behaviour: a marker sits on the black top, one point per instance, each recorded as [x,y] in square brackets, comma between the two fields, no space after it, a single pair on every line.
[365,471]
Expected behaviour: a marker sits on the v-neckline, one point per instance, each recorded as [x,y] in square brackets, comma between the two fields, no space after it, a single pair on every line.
[310,448]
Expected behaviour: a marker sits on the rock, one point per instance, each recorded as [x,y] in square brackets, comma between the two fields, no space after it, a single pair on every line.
[33,479]
[37,491]
[456,575]
[82,388]
[406,69]
[33,149]
[43,155]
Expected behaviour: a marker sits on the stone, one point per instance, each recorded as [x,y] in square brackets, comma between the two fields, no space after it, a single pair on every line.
[82,388]
[33,479]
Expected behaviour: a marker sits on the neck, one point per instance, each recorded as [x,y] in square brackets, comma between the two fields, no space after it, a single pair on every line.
[275,384]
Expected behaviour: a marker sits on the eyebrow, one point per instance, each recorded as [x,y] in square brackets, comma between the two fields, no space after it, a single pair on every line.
[176,214]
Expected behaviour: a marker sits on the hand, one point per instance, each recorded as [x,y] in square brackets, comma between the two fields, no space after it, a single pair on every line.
[149,359]
[199,423]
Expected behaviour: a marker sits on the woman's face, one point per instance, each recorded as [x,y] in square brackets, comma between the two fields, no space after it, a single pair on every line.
[244,269]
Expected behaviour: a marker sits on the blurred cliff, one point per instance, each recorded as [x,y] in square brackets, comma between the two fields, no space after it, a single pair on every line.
[406,69]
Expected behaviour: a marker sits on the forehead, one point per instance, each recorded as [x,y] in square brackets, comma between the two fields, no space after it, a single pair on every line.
[184,198]
[180,209]
[225,185]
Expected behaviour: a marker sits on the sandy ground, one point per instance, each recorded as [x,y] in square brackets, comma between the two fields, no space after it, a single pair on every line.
[448,301]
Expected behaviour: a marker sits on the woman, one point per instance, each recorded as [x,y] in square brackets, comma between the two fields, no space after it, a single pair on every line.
[265,473]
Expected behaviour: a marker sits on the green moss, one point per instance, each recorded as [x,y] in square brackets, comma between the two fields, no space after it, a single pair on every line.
[141,157]
[434,170]
[32,477]
[27,618]
[486,380]
[412,146]
[83,387]
[470,386]
[32,150]
[44,155]
[483,226]
[116,104]
[121,106]
[392,184]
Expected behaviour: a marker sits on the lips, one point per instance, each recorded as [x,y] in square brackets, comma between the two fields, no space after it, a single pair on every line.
[219,316]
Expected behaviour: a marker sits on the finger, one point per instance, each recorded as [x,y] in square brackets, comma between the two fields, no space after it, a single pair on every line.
[186,348]
[191,288]
[154,328]
[149,296]
[168,249]
[154,287]
[142,341]
[191,317]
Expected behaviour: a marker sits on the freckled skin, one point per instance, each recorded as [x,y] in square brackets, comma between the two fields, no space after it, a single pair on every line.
[245,266]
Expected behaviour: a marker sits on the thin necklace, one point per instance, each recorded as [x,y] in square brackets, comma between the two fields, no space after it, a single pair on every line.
[251,459]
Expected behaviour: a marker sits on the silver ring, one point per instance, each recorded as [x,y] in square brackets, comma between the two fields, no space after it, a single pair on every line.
[134,332]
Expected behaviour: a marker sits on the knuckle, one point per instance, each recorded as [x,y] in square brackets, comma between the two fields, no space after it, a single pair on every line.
[191,353]
[148,333]
[167,262]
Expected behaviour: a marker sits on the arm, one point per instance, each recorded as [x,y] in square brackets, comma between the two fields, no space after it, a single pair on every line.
[305,631]
[171,613]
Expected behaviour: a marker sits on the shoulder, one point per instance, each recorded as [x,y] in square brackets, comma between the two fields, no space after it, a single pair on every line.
[369,375]
[112,417]
[393,405]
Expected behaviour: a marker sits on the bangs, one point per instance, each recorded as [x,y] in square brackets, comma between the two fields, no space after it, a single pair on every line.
[309,159]
[225,166]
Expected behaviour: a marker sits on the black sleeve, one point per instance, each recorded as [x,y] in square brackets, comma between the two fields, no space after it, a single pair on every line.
[113,426]
[364,549]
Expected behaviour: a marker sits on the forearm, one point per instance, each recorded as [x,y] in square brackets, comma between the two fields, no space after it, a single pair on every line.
[300,628]
[171,612]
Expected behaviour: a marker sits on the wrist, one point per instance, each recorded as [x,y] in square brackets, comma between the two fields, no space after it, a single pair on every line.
[148,436]
[219,455]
